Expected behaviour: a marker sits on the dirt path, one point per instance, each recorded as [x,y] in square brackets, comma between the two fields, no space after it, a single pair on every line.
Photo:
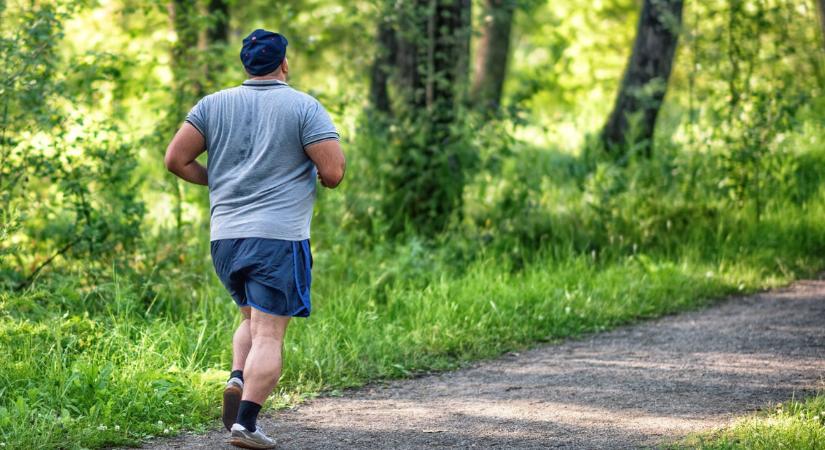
[634,387]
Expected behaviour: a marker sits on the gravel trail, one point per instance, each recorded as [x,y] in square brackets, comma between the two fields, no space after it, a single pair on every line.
[637,386]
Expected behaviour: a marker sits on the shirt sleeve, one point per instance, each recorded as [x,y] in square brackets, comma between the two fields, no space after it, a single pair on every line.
[317,125]
[197,116]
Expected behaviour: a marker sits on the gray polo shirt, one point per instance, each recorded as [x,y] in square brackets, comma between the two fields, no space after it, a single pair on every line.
[261,182]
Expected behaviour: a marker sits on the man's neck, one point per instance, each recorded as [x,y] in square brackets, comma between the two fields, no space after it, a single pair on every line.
[279,77]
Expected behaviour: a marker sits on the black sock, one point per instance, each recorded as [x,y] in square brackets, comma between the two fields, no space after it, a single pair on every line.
[248,414]
[236,374]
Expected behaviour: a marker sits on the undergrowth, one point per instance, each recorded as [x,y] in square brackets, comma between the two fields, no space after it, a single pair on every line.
[103,355]
[798,425]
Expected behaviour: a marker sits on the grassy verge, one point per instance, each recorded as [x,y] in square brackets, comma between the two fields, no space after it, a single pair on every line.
[792,425]
[89,359]
[119,374]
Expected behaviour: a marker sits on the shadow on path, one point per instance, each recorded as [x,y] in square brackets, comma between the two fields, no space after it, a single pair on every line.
[633,387]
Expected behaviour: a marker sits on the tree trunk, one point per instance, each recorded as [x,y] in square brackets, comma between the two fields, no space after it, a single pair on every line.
[218,32]
[492,54]
[217,37]
[183,15]
[412,53]
[186,79]
[432,51]
[432,60]
[643,87]
[381,66]
[449,28]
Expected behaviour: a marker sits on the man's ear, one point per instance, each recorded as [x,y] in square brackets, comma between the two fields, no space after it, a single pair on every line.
[285,66]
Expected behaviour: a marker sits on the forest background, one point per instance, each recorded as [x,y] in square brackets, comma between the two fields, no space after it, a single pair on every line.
[519,171]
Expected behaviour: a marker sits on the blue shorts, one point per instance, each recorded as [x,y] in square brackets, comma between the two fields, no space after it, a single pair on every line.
[270,275]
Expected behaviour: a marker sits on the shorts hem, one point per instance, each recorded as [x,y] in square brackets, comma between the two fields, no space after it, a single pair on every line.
[265,310]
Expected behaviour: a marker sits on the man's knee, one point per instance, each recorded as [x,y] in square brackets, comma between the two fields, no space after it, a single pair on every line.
[266,340]
[264,331]
[267,326]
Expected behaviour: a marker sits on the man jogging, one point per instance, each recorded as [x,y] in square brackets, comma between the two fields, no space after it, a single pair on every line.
[266,143]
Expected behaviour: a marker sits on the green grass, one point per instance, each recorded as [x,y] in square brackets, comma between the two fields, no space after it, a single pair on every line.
[798,425]
[92,357]
[123,374]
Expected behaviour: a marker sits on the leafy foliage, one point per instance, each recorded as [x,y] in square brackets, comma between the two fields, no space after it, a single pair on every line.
[66,181]
[450,240]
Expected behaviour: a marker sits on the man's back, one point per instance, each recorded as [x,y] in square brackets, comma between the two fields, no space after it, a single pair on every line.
[261,182]
[266,142]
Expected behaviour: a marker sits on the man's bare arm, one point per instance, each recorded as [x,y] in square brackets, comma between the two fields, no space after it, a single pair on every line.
[185,147]
[329,160]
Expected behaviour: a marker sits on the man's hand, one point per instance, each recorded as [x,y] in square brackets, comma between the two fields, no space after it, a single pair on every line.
[185,147]
[329,160]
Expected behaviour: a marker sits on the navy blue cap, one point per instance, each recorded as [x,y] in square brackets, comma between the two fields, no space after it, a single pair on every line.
[263,51]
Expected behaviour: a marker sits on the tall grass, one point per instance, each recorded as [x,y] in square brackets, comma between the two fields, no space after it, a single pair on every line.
[795,425]
[116,378]
[548,246]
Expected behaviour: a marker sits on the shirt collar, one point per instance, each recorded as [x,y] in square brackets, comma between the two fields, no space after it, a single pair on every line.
[264,83]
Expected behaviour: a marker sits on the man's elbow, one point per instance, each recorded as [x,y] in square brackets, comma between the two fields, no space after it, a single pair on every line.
[171,162]
[332,178]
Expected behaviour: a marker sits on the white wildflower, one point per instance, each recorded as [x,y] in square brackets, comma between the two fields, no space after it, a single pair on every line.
[101,427]
[117,427]
[166,431]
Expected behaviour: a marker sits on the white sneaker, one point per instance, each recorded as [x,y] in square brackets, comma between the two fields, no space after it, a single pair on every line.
[241,437]
[231,401]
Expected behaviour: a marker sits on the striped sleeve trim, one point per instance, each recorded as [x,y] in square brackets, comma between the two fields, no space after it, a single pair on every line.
[321,137]
[196,127]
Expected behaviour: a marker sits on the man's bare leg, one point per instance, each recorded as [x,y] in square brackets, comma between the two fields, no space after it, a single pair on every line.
[263,364]
[242,340]
[241,343]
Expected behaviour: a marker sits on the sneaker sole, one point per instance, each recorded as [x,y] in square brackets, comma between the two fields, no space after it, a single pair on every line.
[231,403]
[246,443]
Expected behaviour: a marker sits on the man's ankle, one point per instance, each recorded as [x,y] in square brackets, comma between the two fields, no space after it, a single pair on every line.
[236,374]
[248,415]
